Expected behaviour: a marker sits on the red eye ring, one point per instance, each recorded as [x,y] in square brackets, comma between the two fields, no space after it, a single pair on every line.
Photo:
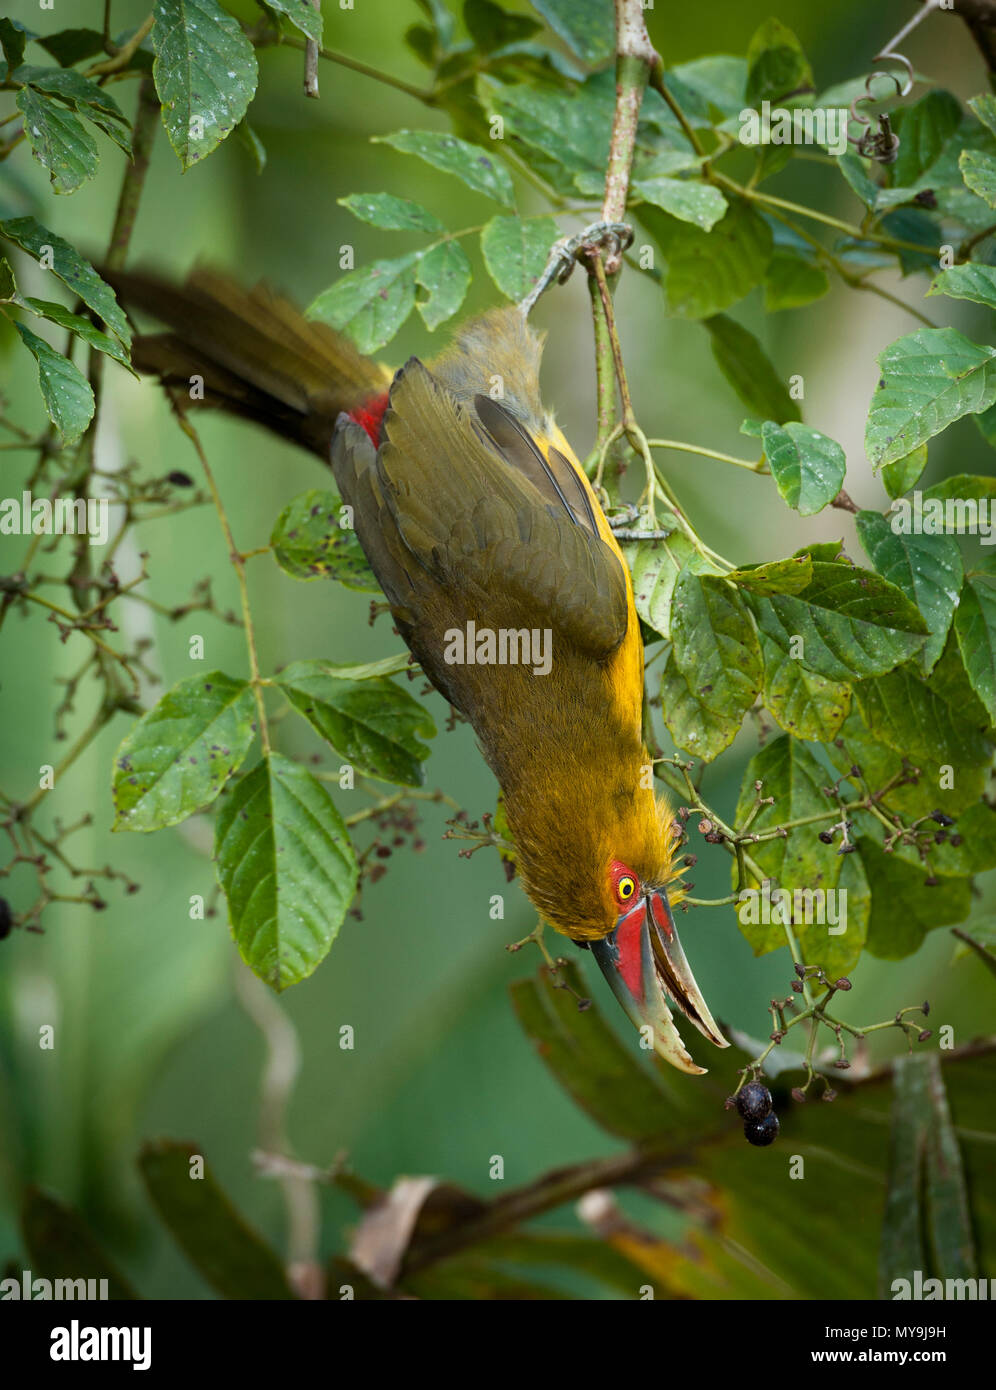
[625,884]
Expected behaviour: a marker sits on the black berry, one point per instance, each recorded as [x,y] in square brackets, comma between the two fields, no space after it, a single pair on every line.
[762,1132]
[6,918]
[754,1101]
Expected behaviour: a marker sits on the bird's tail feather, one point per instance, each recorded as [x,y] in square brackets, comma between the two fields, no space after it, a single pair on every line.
[249,352]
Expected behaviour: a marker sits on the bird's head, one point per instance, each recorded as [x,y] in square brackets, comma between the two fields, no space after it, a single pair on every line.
[610,887]
[642,959]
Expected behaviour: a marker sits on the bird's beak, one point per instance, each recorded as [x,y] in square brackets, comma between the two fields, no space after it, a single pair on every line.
[641,958]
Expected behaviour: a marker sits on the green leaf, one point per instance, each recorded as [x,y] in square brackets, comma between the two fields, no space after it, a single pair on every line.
[702,204]
[654,567]
[393,214]
[252,144]
[970,281]
[588,1060]
[979,172]
[705,272]
[829,933]
[8,286]
[749,371]
[777,68]
[287,868]
[975,628]
[924,131]
[903,474]
[978,936]
[803,703]
[83,328]
[807,466]
[490,27]
[928,569]
[929,379]
[927,1225]
[66,391]
[73,45]
[13,39]
[309,542]
[516,252]
[371,304]
[221,1246]
[695,728]
[906,714]
[205,73]
[960,487]
[789,576]
[880,766]
[714,669]
[180,754]
[567,131]
[60,1246]
[373,723]
[792,281]
[302,15]
[586,26]
[370,670]
[445,273]
[58,141]
[71,269]
[902,910]
[470,163]
[847,624]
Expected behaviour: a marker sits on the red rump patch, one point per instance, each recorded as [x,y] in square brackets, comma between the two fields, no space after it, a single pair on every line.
[371,416]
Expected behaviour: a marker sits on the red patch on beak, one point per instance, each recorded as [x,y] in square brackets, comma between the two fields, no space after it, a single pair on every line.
[629,941]
[661,916]
[370,415]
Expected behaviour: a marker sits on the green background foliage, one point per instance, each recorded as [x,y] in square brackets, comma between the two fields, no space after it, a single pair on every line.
[152,1036]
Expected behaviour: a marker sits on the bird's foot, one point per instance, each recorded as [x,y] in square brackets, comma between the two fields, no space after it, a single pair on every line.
[622,526]
[615,237]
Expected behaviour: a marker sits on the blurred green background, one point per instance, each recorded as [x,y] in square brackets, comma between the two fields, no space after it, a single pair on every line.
[150,1036]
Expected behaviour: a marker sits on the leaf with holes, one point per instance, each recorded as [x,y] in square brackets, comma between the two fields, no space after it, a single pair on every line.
[444,272]
[181,753]
[205,73]
[371,304]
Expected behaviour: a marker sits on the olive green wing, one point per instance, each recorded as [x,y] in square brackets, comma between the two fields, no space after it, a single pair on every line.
[455,531]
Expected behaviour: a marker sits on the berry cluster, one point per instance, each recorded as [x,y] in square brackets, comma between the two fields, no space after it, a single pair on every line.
[753,1105]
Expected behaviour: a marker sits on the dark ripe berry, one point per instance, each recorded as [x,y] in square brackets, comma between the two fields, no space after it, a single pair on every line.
[931,881]
[754,1101]
[761,1132]
[179,479]
[843,983]
[6,918]
[797,986]
[925,1010]
[927,1033]
[826,836]
[956,840]
[941,818]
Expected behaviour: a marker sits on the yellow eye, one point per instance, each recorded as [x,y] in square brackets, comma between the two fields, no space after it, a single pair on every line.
[626,887]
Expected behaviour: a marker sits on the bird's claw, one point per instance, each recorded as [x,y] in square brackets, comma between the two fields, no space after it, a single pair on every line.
[616,237]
